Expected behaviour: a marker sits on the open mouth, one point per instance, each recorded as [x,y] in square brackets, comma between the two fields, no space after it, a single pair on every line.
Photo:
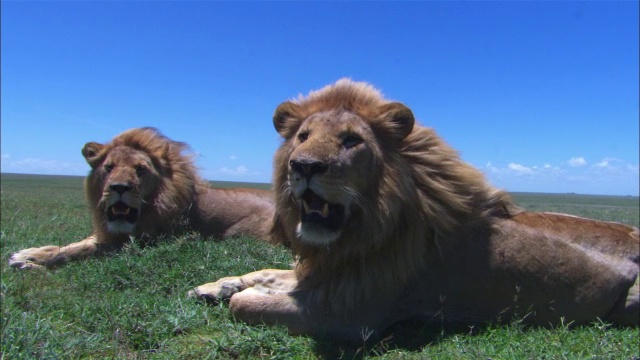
[121,211]
[316,210]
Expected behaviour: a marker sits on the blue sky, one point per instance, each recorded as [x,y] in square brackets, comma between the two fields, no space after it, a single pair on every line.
[541,96]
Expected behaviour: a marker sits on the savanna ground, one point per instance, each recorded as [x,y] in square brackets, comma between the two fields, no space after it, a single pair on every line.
[134,304]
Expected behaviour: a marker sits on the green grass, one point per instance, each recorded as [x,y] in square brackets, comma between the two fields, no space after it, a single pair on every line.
[133,304]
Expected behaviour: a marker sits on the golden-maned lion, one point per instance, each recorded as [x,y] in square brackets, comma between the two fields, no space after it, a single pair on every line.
[388,224]
[142,185]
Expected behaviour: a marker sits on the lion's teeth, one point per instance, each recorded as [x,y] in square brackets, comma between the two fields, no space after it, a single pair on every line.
[305,206]
[127,211]
[325,210]
[113,210]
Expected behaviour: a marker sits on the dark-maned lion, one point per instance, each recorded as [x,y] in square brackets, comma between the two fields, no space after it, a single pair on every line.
[141,184]
[388,223]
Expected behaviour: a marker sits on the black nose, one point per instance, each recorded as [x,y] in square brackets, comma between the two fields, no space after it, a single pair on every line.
[308,168]
[120,188]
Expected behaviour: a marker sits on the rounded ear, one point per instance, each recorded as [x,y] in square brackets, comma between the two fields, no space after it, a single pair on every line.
[90,152]
[285,112]
[398,118]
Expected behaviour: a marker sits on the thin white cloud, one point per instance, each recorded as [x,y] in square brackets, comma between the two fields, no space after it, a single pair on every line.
[608,162]
[608,176]
[520,169]
[577,162]
[41,166]
[240,170]
[491,168]
[233,157]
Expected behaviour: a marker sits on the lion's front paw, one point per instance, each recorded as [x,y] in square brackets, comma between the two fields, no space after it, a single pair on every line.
[24,259]
[35,257]
[220,290]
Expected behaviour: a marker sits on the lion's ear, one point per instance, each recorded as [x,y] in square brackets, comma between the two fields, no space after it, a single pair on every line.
[398,118]
[282,118]
[90,151]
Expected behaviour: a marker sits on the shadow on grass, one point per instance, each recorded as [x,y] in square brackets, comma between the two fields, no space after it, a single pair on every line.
[409,336]
[417,339]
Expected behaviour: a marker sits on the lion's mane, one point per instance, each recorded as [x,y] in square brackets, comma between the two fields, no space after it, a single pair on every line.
[423,191]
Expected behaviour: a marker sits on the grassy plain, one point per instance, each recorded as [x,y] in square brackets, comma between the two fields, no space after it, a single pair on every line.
[133,304]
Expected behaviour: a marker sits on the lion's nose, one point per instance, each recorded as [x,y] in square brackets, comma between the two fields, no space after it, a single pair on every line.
[120,188]
[308,168]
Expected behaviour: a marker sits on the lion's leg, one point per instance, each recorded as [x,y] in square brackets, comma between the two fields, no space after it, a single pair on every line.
[266,296]
[627,311]
[271,297]
[53,255]
[257,306]
[268,279]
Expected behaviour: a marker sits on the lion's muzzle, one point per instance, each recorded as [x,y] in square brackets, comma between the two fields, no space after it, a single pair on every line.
[323,209]
[321,222]
[121,204]
[122,212]
[318,211]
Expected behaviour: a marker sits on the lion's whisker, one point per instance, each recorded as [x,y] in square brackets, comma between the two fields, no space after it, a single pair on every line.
[358,199]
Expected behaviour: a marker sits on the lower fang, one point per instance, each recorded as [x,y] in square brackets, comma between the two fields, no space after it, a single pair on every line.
[325,210]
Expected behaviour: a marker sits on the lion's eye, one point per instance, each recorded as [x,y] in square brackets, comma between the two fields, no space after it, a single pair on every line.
[141,170]
[303,136]
[108,167]
[351,140]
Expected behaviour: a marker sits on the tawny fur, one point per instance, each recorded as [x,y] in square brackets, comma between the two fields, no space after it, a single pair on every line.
[166,190]
[426,236]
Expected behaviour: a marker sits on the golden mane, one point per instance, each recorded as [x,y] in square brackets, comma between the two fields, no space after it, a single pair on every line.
[344,94]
